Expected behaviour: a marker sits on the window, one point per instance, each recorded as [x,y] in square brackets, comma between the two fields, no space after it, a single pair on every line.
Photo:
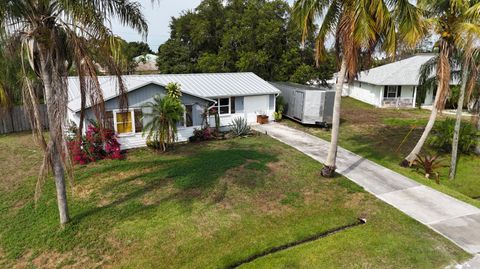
[124,122]
[109,120]
[187,120]
[223,106]
[138,120]
[392,91]
[188,115]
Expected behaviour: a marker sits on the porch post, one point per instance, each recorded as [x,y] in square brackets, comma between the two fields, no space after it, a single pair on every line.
[414,96]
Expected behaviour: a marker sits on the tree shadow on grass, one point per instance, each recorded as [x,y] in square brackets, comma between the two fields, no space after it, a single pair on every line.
[385,143]
[191,175]
[36,227]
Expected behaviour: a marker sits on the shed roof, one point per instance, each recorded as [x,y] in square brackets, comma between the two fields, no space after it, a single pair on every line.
[403,72]
[290,85]
[204,85]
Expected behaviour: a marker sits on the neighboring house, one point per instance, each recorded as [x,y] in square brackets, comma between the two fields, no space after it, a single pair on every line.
[232,94]
[391,85]
[146,63]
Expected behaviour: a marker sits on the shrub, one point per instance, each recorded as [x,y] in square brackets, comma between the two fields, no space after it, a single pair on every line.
[240,126]
[280,104]
[277,115]
[442,136]
[202,134]
[95,145]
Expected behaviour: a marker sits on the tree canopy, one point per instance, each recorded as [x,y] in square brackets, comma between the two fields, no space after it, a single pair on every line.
[241,35]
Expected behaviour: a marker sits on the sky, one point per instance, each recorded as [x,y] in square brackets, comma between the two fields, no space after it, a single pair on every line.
[158,16]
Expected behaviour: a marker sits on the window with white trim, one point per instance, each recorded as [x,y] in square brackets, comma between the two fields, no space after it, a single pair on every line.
[392,91]
[125,122]
[223,106]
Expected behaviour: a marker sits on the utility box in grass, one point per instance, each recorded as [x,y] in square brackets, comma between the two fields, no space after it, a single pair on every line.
[307,104]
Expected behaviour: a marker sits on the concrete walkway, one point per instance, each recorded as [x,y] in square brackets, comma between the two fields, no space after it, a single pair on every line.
[454,219]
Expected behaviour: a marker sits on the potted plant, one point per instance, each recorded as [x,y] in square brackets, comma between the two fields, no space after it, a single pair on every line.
[262,118]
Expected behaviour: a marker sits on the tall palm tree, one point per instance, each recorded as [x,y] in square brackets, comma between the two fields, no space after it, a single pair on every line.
[469,77]
[359,28]
[450,20]
[54,35]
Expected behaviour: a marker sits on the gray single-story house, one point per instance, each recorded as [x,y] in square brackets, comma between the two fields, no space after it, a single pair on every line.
[391,85]
[232,94]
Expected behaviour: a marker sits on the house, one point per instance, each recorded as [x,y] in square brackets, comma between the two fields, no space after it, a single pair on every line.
[232,94]
[146,63]
[391,85]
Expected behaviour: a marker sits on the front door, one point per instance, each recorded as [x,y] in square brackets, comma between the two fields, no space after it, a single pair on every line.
[299,100]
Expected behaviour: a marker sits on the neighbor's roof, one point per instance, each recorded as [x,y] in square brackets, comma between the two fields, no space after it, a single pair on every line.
[403,72]
[205,85]
[147,57]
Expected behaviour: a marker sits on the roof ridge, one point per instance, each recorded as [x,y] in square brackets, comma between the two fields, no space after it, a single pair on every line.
[181,74]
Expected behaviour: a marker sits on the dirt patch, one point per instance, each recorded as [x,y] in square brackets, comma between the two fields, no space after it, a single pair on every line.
[20,159]
[354,199]
[78,258]
[276,167]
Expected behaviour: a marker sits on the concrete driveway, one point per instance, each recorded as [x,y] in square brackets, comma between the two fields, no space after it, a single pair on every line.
[454,219]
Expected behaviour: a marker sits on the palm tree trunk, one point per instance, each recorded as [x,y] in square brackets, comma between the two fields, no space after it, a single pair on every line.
[458,121]
[329,168]
[46,74]
[477,110]
[443,73]
[418,147]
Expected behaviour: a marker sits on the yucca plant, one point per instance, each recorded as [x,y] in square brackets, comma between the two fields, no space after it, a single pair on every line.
[240,126]
[429,164]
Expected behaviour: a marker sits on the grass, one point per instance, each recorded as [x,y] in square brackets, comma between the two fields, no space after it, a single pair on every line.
[205,205]
[386,136]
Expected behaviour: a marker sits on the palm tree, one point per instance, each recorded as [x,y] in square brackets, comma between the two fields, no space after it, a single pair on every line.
[53,36]
[469,76]
[359,28]
[163,117]
[450,20]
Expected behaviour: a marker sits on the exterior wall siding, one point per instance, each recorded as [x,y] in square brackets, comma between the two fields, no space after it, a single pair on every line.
[368,93]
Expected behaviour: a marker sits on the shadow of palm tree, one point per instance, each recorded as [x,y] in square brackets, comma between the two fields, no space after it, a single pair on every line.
[195,172]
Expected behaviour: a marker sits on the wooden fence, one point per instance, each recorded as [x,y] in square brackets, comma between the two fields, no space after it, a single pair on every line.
[16,119]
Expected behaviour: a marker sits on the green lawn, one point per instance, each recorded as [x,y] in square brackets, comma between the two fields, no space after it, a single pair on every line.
[377,134]
[206,205]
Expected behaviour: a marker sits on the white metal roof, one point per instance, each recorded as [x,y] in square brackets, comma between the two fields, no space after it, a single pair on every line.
[205,85]
[403,72]
[147,57]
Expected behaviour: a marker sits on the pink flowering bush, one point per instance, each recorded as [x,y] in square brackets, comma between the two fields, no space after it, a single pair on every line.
[95,145]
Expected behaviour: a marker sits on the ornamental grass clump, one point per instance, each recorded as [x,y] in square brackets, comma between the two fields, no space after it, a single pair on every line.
[240,127]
